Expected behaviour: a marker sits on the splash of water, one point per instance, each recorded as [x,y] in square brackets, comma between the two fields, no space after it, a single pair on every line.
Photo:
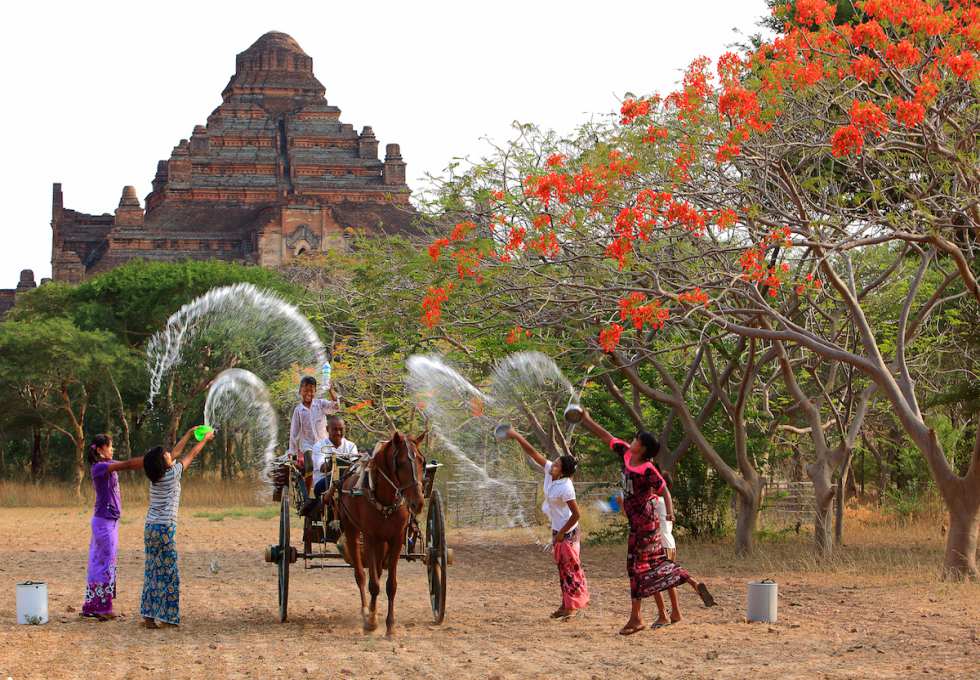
[238,404]
[462,418]
[531,392]
[267,333]
[526,390]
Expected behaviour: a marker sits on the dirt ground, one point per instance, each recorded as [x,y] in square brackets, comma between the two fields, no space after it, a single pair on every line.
[856,622]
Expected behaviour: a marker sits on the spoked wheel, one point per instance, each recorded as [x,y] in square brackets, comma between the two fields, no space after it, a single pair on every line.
[436,556]
[285,555]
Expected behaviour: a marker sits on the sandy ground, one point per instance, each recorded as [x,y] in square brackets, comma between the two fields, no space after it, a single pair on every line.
[500,591]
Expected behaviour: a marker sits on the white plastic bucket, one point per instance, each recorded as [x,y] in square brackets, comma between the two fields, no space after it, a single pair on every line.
[32,602]
[763,597]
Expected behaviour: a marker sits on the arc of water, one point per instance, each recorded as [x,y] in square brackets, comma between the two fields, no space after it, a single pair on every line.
[238,400]
[245,308]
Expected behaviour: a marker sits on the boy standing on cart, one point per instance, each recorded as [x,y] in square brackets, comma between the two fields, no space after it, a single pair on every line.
[309,423]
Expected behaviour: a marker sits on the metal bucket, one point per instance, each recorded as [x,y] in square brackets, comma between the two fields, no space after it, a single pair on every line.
[32,602]
[762,601]
[574,413]
[500,432]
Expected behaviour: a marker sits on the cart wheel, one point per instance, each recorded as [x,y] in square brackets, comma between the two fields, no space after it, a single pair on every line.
[436,556]
[284,557]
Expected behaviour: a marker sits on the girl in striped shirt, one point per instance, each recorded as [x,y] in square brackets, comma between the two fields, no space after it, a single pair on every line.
[160,603]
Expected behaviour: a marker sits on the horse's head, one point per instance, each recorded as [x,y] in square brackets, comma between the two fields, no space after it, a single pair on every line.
[401,460]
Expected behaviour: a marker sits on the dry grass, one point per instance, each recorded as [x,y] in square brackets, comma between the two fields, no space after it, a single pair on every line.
[196,492]
[875,543]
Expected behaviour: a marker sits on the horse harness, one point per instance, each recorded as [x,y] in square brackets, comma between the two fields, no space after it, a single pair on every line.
[387,511]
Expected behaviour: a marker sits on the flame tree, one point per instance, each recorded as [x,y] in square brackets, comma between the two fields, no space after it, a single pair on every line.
[774,196]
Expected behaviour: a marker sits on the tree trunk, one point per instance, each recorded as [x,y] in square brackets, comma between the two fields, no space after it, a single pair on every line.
[960,561]
[840,500]
[37,456]
[746,517]
[823,499]
[173,426]
[79,462]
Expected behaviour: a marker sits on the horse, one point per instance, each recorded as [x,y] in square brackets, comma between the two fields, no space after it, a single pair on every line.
[380,516]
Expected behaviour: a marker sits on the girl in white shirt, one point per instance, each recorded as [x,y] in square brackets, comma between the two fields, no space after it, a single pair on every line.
[562,511]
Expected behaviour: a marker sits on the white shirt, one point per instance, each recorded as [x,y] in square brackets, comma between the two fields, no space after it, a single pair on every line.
[309,424]
[324,450]
[557,493]
[666,528]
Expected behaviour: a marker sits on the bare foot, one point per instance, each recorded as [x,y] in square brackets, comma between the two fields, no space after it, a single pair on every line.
[661,622]
[559,613]
[675,616]
[148,623]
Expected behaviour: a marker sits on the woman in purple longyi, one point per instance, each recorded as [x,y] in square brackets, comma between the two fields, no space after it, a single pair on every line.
[100,588]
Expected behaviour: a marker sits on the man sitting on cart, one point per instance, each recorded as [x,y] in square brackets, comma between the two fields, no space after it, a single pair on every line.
[329,455]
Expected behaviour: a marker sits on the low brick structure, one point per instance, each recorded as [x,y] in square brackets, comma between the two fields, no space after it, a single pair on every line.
[8,296]
[272,175]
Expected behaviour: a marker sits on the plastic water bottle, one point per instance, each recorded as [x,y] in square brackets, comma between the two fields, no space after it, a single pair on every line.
[202,431]
[326,375]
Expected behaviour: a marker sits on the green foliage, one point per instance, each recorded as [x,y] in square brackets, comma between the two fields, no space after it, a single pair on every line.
[701,498]
[90,339]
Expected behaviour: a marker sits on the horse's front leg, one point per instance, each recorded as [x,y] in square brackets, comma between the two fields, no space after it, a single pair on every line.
[394,550]
[354,553]
[371,547]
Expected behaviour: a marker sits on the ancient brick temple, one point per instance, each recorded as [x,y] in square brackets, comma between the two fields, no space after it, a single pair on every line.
[8,296]
[272,175]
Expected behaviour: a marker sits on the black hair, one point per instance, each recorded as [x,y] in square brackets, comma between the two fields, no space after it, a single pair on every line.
[307,380]
[651,446]
[98,441]
[153,464]
[568,465]
[335,418]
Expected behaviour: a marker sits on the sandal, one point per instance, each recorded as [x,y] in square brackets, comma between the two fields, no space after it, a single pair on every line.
[659,624]
[706,597]
[629,630]
[149,623]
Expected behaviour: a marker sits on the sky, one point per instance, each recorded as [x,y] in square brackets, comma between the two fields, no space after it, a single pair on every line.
[97,92]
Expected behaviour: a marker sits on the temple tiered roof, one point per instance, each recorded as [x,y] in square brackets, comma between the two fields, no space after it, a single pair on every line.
[273,167]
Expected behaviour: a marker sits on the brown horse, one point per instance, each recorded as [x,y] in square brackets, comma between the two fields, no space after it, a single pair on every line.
[380,517]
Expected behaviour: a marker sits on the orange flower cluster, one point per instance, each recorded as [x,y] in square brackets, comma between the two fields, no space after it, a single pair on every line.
[909,114]
[753,262]
[652,208]
[651,314]
[609,337]
[467,261]
[847,141]
[813,12]
[516,333]
[694,297]
[435,249]
[903,54]
[633,109]
[865,68]
[870,34]
[964,65]
[868,118]
[432,305]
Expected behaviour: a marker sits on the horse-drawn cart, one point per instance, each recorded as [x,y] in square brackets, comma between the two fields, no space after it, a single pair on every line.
[323,545]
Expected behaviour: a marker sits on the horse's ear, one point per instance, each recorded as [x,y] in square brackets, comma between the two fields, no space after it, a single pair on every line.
[420,438]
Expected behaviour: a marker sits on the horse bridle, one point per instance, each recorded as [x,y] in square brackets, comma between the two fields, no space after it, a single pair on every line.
[387,510]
